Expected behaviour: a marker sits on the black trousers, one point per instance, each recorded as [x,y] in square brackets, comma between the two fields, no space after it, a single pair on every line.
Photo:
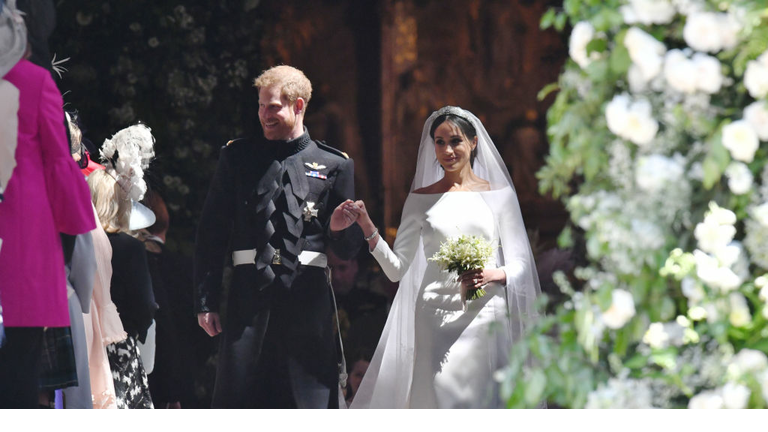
[20,359]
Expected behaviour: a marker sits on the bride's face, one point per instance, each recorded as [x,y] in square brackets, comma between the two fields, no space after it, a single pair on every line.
[452,148]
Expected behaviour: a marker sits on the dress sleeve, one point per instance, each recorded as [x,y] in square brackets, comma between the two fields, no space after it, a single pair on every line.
[83,270]
[213,233]
[68,193]
[395,262]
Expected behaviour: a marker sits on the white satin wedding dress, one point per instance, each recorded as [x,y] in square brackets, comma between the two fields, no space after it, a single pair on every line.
[456,351]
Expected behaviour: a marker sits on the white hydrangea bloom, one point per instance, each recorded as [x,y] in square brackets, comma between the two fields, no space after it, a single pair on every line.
[741,140]
[645,51]
[756,114]
[581,36]
[622,309]
[655,171]
[756,77]
[648,12]
[739,178]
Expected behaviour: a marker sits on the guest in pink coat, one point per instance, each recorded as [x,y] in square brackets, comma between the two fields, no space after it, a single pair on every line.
[46,195]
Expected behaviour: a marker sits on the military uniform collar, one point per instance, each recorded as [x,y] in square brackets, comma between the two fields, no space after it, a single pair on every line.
[289,148]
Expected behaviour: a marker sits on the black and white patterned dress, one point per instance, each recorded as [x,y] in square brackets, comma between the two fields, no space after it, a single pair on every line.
[131,385]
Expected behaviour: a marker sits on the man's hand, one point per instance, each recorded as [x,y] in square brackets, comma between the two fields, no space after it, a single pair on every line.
[210,322]
[343,216]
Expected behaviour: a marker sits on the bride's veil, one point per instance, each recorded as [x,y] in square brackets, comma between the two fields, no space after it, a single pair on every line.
[387,382]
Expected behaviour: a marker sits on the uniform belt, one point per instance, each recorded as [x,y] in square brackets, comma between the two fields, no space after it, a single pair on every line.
[306,258]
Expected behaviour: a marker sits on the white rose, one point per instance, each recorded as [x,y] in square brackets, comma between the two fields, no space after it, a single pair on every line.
[739,316]
[678,71]
[709,77]
[641,127]
[749,360]
[760,214]
[739,178]
[655,336]
[756,76]
[702,32]
[706,400]
[648,12]
[645,51]
[735,396]
[655,171]
[622,309]
[741,140]
[582,34]
[757,116]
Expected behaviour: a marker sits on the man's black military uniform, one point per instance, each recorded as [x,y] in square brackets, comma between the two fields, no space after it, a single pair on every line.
[274,200]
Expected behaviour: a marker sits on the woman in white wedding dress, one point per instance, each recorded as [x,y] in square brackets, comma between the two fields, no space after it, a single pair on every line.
[438,351]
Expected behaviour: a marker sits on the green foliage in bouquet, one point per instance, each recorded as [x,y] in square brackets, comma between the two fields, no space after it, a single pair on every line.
[463,253]
[658,142]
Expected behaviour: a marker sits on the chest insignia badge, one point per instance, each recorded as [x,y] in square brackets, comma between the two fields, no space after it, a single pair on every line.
[315,166]
[316,174]
[309,211]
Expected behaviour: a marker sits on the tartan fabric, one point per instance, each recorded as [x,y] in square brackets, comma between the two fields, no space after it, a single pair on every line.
[58,369]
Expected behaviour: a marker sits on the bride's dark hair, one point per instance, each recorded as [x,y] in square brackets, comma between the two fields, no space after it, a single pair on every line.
[466,128]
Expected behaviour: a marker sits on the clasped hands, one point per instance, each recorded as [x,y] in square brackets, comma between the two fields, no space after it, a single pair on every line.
[349,212]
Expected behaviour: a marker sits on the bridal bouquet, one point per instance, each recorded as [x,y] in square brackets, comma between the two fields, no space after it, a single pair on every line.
[464,253]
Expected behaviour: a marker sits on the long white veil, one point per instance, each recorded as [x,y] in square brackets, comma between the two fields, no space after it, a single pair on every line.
[387,382]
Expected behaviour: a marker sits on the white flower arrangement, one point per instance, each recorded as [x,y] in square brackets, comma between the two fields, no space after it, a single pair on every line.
[659,138]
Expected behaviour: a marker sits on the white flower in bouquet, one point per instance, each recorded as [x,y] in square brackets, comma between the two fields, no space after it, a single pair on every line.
[463,253]
[756,238]
[688,7]
[645,51]
[654,172]
[581,36]
[756,76]
[756,114]
[709,31]
[631,120]
[622,309]
[739,316]
[656,336]
[735,396]
[706,400]
[741,140]
[749,361]
[739,178]
[648,12]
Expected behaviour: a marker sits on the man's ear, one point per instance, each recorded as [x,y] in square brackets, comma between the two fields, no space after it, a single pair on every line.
[298,107]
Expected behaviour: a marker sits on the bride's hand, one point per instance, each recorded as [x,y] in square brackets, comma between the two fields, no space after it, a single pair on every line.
[475,279]
[364,219]
[344,215]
